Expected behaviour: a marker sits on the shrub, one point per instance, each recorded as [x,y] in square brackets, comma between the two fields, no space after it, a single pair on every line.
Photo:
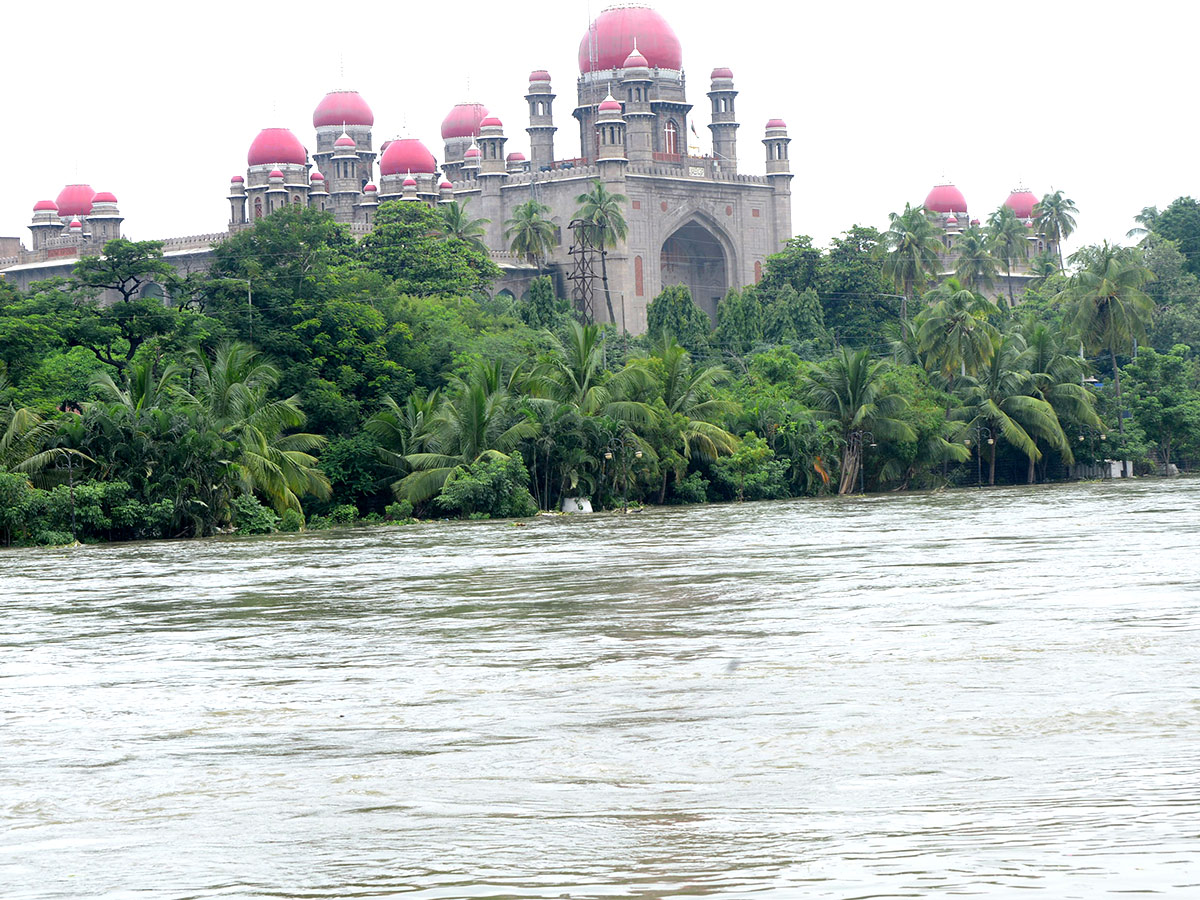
[489,488]
[345,514]
[251,517]
[291,520]
[693,489]
[400,511]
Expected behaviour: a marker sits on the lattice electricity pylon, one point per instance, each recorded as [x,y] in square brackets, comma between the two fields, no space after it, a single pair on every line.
[583,273]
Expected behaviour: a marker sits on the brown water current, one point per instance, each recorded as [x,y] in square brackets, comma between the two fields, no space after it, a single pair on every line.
[969,693]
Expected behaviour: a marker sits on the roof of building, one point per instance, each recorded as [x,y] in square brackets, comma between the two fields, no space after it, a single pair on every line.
[610,39]
[946,198]
[1022,202]
[276,146]
[342,108]
[406,155]
[463,120]
[75,200]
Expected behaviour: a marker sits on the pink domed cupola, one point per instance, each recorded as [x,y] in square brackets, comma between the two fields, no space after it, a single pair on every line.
[610,104]
[237,179]
[370,189]
[776,123]
[406,155]
[1021,202]
[952,220]
[472,153]
[345,141]
[945,198]
[721,74]
[635,59]
[463,121]
[276,146]
[610,39]
[45,205]
[539,75]
[340,108]
[75,200]
[275,173]
[491,122]
[76,225]
[317,176]
[446,186]
[516,156]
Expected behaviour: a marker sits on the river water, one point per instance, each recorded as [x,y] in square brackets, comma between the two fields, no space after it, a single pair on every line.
[898,696]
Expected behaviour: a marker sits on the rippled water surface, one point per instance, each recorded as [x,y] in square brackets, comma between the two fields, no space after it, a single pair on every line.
[964,693]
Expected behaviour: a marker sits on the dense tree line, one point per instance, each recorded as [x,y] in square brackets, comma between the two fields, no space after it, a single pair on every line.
[309,379]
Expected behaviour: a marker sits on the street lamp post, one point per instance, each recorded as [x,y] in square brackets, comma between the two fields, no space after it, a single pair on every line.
[618,449]
[1090,433]
[858,439]
[982,434]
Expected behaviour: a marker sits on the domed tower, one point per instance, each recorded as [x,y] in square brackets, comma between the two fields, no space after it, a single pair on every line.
[404,158]
[636,85]
[603,51]
[492,174]
[610,131]
[470,163]
[460,128]
[318,193]
[368,204]
[945,202]
[46,223]
[237,202]
[779,174]
[724,120]
[345,112]
[275,150]
[74,202]
[104,223]
[341,179]
[541,120]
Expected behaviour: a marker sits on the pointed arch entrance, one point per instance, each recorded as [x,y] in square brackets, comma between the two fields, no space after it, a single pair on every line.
[695,256]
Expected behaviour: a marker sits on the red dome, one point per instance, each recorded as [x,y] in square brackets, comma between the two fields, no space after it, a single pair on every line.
[946,198]
[776,123]
[236,179]
[609,104]
[491,122]
[406,155]
[472,152]
[410,182]
[370,188]
[1022,203]
[276,146]
[463,120]
[317,176]
[275,173]
[445,185]
[721,73]
[43,205]
[517,156]
[610,40]
[343,108]
[974,221]
[952,221]
[539,75]
[75,200]
[345,141]
[75,223]
[635,60]
[104,197]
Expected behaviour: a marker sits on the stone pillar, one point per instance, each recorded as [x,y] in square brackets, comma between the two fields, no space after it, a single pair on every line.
[492,173]
[541,120]
[779,174]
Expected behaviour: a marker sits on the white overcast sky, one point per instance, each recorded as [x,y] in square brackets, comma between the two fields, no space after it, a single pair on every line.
[158,102]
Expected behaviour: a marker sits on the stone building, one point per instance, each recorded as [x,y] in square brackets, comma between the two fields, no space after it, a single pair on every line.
[694,218]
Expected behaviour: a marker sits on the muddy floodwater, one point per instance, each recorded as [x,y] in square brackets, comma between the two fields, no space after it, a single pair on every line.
[989,694]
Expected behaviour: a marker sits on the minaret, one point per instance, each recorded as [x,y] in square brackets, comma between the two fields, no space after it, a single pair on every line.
[277,194]
[368,204]
[342,178]
[445,192]
[636,83]
[724,121]
[493,172]
[779,174]
[104,221]
[237,202]
[46,223]
[541,120]
[318,194]
[470,163]
[409,188]
[610,134]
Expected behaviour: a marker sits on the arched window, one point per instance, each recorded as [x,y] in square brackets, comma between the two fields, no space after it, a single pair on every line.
[258,207]
[671,137]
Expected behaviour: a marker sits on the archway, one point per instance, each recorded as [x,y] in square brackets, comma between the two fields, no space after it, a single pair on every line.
[693,256]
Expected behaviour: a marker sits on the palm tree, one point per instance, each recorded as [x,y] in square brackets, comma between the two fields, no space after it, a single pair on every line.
[529,233]
[954,333]
[574,373]
[976,267]
[1146,220]
[476,420]
[601,210]
[1042,267]
[1010,241]
[848,390]
[230,392]
[402,430]
[913,250]
[1002,401]
[1111,311]
[1054,216]
[457,223]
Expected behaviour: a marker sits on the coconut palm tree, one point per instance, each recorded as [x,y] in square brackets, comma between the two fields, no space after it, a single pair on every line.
[1146,220]
[402,430]
[1042,267]
[530,233]
[912,252]
[601,210]
[848,390]
[456,222]
[1054,216]
[976,267]
[954,333]
[574,373]
[1110,309]
[230,393]
[1009,240]
[1002,400]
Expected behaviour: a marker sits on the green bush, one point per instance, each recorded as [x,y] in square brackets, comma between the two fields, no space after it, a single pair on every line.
[251,517]
[400,511]
[489,488]
[291,520]
[53,538]
[345,514]
[693,489]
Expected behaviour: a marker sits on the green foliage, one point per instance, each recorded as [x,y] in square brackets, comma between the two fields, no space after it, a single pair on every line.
[672,313]
[494,487]
[344,514]
[544,309]
[400,511]
[1180,222]
[292,520]
[751,472]
[251,517]
[693,489]
[1164,397]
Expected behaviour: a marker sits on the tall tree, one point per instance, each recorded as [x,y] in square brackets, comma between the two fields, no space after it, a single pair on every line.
[954,333]
[1180,222]
[530,233]
[1146,221]
[601,210]
[1054,216]
[976,267]
[673,312]
[1010,241]
[457,223]
[912,252]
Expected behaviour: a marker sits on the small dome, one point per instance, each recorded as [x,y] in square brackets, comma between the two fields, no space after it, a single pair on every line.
[75,223]
[410,182]
[345,141]
[610,104]
[276,146]
[946,198]
[516,156]
[610,39]
[370,189]
[491,122]
[342,108]
[776,123]
[952,221]
[1021,202]
[275,173]
[539,75]
[974,221]
[75,200]
[43,205]
[635,60]
[406,155]
[317,176]
[463,120]
[721,72]
[104,197]
[446,186]
[472,153]
[237,179]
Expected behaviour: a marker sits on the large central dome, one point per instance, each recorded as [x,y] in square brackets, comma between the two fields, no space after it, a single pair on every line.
[610,40]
